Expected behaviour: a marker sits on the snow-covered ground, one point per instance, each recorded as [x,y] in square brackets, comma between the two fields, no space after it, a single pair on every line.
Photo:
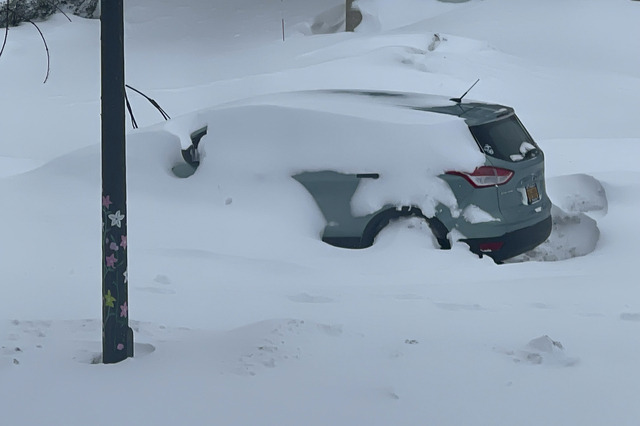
[242,316]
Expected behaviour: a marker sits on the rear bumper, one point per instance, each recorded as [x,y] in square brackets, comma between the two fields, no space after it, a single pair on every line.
[512,243]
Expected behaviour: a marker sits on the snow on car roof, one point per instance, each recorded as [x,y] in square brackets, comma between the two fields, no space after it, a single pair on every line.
[278,136]
[379,105]
[399,108]
[362,103]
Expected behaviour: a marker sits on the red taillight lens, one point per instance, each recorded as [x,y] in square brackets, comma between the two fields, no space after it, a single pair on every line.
[489,247]
[486,176]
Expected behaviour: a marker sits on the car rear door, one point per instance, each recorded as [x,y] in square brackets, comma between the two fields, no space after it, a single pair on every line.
[508,145]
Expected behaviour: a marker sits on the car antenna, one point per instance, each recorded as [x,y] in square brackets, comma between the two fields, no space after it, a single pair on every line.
[459,100]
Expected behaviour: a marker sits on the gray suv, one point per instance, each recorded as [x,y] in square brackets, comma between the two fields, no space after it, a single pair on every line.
[509,188]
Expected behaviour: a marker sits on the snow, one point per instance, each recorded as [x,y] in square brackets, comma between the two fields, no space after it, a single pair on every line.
[13,166]
[242,316]
[579,193]
[474,214]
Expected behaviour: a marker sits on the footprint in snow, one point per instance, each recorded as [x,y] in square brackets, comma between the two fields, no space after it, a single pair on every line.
[268,344]
[459,306]
[307,298]
[627,316]
[161,285]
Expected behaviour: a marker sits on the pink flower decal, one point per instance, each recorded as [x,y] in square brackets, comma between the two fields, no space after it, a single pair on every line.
[110,260]
[114,247]
[123,241]
[106,201]
[120,346]
[124,310]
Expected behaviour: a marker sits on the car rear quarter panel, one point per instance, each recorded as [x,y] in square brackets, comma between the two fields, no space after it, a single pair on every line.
[332,192]
[485,199]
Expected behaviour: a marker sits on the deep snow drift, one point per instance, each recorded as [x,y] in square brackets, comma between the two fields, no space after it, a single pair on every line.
[242,316]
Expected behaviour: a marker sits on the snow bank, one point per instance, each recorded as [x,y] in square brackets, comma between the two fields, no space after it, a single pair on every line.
[328,22]
[14,166]
[542,351]
[382,15]
[578,193]
[574,232]
[572,235]
[377,15]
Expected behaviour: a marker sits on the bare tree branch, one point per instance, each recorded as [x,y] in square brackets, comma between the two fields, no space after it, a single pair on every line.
[61,11]
[134,123]
[6,31]
[152,101]
[46,48]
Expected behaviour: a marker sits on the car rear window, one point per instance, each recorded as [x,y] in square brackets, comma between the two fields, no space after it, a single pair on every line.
[506,139]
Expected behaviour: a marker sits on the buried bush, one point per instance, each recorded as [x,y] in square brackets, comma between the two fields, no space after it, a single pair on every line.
[13,12]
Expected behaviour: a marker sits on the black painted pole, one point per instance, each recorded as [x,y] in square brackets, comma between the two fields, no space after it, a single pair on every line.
[117,337]
[353,17]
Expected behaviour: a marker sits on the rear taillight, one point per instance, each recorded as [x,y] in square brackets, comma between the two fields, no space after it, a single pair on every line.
[490,247]
[486,176]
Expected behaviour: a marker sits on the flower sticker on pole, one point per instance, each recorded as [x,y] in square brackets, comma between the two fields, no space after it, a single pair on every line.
[109,299]
[116,219]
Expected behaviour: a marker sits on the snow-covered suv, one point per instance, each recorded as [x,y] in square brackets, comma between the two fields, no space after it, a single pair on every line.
[501,208]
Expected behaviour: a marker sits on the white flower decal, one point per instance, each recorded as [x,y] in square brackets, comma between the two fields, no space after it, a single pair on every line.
[116,219]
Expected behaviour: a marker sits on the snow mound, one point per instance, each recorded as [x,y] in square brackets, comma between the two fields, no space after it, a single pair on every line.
[269,344]
[370,16]
[574,233]
[29,343]
[330,21]
[578,193]
[15,166]
[542,350]
[255,348]
[383,15]
[434,53]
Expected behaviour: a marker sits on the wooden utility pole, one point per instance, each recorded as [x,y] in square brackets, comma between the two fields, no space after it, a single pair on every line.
[117,337]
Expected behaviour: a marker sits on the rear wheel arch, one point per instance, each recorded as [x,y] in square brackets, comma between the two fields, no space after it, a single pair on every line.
[382,219]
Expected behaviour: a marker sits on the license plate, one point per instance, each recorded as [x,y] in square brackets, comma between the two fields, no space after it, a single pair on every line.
[532,193]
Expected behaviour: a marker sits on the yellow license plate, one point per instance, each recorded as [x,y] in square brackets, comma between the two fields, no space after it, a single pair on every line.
[532,193]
